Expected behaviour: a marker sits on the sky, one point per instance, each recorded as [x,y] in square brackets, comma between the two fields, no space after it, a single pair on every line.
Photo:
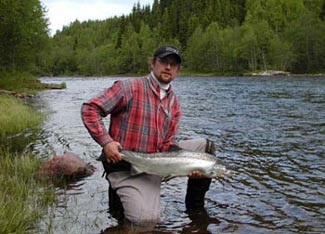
[63,12]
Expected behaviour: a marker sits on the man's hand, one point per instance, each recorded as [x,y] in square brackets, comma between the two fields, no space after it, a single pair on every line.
[195,174]
[111,151]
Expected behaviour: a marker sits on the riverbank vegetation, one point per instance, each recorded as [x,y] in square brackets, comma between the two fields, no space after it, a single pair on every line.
[23,198]
[215,37]
[23,39]
[23,82]
[16,116]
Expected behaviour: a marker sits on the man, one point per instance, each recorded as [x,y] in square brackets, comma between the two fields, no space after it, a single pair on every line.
[144,116]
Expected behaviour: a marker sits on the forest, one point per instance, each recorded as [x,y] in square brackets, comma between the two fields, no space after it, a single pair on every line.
[214,36]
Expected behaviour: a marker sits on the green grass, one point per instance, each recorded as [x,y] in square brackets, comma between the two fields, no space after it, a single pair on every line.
[23,197]
[16,116]
[21,82]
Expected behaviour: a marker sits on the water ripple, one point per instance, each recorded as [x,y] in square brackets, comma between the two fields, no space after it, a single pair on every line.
[271,131]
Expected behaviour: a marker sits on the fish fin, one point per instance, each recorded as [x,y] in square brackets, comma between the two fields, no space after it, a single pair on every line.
[135,170]
[101,158]
[173,148]
[168,178]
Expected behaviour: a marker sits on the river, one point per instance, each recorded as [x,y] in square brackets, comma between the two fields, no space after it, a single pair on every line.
[271,130]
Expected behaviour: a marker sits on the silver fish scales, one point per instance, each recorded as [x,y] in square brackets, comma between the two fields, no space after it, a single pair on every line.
[176,163]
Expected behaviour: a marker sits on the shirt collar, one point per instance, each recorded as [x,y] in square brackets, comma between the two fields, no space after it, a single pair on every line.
[158,85]
[161,85]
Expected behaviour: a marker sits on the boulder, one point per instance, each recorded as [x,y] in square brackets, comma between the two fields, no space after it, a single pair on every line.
[67,165]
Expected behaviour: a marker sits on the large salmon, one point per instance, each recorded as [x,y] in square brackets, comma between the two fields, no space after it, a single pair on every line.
[175,163]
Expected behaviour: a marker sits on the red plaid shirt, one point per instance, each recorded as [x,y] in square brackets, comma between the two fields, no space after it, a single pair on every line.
[139,119]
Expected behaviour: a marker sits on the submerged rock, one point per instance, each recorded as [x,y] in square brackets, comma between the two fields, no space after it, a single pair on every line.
[67,165]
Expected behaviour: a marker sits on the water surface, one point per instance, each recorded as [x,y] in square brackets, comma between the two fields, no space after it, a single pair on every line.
[270,130]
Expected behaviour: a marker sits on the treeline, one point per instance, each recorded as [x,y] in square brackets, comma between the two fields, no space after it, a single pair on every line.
[215,36]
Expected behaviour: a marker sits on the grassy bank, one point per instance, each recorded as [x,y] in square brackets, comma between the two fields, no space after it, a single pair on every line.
[16,116]
[22,82]
[22,196]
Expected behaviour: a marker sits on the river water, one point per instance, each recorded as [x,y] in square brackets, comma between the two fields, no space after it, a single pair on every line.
[270,130]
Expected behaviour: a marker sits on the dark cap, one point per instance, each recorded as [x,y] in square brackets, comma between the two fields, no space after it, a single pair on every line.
[166,50]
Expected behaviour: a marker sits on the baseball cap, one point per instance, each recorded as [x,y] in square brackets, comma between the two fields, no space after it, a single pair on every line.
[166,50]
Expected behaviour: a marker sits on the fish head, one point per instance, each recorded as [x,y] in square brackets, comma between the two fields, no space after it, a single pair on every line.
[219,170]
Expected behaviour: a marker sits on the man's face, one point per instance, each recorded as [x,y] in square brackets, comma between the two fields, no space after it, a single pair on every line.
[165,69]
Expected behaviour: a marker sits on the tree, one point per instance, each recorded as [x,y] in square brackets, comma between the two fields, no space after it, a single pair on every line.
[148,42]
[128,59]
[255,44]
[215,36]
[23,33]
[233,62]
[212,47]
[281,54]
[307,35]
[194,53]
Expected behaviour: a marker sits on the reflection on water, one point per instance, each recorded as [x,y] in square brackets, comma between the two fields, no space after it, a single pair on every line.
[270,130]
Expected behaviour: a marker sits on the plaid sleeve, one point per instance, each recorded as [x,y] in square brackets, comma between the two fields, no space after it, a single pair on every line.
[103,104]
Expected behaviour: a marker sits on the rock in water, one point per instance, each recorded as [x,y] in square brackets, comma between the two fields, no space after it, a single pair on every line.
[67,165]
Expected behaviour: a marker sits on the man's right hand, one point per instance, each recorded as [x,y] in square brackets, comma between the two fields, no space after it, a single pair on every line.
[111,151]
